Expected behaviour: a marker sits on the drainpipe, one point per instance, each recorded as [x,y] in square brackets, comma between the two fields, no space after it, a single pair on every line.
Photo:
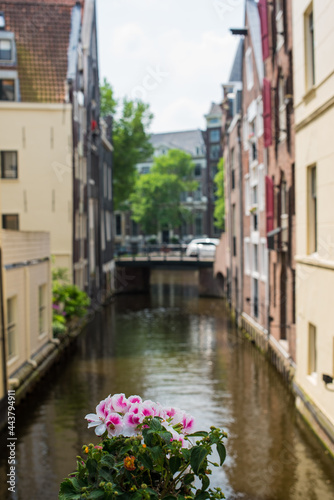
[3,336]
[241,214]
[229,297]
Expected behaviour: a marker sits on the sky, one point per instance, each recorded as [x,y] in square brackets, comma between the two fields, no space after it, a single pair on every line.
[172,54]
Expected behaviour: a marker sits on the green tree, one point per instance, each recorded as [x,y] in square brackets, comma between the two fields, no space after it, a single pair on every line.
[219,211]
[156,201]
[131,141]
[108,103]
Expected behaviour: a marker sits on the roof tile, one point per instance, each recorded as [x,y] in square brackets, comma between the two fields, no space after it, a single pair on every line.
[42,31]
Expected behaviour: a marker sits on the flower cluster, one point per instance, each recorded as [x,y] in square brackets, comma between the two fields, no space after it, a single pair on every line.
[119,415]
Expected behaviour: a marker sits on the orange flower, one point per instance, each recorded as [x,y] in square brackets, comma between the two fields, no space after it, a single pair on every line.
[129,463]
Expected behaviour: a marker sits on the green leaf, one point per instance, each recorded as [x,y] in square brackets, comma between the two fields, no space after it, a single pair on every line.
[67,491]
[205,482]
[106,475]
[157,453]
[199,434]
[202,495]
[174,464]
[197,457]
[96,494]
[67,486]
[166,436]
[155,425]
[146,460]
[189,478]
[91,465]
[108,460]
[222,452]
[186,454]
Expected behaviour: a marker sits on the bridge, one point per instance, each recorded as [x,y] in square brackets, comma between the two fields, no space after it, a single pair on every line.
[132,273]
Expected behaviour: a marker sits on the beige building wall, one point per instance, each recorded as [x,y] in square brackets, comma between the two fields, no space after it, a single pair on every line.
[42,194]
[314,113]
[26,268]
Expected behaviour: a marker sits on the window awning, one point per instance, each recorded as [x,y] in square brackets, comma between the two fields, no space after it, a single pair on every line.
[274,232]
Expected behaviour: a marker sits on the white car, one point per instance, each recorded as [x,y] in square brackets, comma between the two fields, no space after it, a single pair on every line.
[202,247]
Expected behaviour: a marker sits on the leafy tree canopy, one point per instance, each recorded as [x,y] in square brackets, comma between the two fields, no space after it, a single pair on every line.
[219,211]
[131,141]
[156,201]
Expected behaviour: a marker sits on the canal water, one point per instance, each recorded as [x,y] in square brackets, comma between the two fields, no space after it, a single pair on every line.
[176,348]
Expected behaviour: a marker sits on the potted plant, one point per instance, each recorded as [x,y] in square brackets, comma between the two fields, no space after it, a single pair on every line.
[146,452]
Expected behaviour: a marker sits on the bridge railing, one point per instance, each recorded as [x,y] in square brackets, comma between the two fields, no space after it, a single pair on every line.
[151,252]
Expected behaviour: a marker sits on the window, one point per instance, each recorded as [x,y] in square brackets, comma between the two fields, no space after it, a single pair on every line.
[214,135]
[281,108]
[284,198]
[309,49]
[42,309]
[312,210]
[247,256]
[261,188]
[249,69]
[8,161]
[256,258]
[232,169]
[134,228]
[198,224]
[7,89]
[234,230]
[145,170]
[263,259]
[259,117]
[109,184]
[105,180]
[247,195]
[5,50]
[279,24]
[214,152]
[255,298]
[11,327]
[198,170]
[118,224]
[312,350]
[103,232]
[198,194]
[108,225]
[10,221]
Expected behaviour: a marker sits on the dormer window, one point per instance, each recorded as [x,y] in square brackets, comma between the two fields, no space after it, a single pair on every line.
[7,89]
[2,21]
[5,50]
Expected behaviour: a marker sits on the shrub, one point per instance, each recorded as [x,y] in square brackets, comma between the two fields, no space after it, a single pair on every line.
[68,301]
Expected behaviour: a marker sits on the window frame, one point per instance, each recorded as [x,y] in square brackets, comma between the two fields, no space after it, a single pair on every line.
[310,76]
[312,353]
[11,327]
[11,59]
[11,215]
[2,165]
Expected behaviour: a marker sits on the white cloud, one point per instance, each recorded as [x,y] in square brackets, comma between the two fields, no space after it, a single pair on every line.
[191,45]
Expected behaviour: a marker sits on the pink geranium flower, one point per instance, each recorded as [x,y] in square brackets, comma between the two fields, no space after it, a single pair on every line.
[114,424]
[98,420]
[119,403]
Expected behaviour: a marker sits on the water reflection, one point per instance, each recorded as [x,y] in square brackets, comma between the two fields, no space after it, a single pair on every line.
[178,349]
